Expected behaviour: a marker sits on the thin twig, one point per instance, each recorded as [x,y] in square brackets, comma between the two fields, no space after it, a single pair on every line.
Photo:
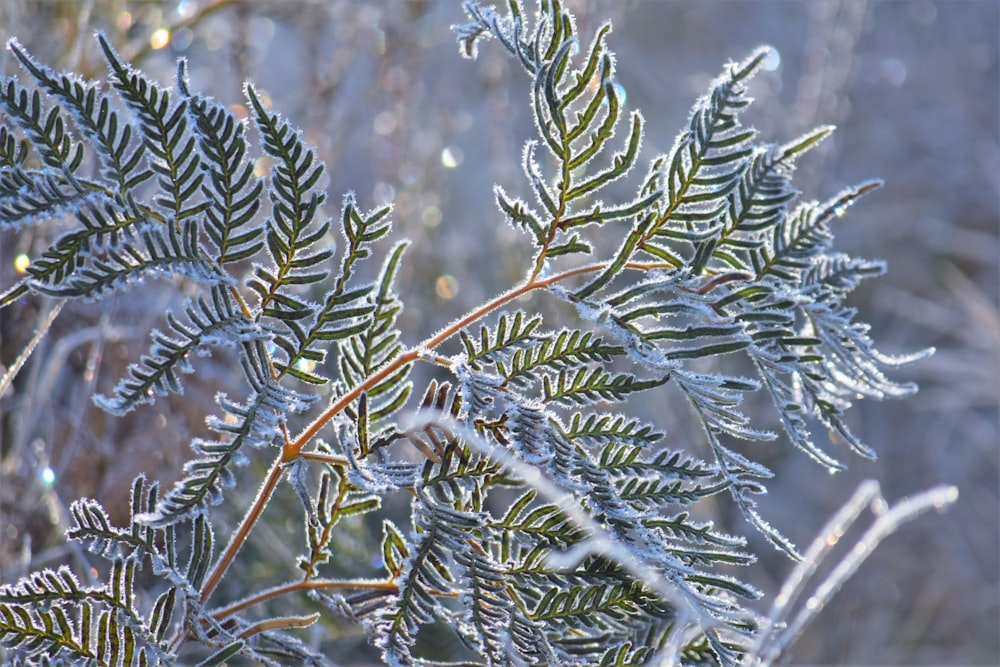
[311,585]
[771,643]
[280,624]
[330,459]
[29,348]
[240,536]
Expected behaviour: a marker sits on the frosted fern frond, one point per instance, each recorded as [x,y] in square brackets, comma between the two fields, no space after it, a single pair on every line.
[511,332]
[13,152]
[347,310]
[552,519]
[102,223]
[584,386]
[555,351]
[803,235]
[163,123]
[440,532]
[95,116]
[184,571]
[201,216]
[336,499]
[256,423]
[208,324]
[109,622]
[30,196]
[366,351]
[47,130]
[294,225]
[152,252]
[759,201]
[488,603]
[703,166]
[117,622]
[704,163]
[600,428]
[540,522]
[576,111]
[232,190]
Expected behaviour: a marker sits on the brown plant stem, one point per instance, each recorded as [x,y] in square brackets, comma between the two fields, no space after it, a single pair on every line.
[240,536]
[279,624]
[311,585]
[320,457]
[293,450]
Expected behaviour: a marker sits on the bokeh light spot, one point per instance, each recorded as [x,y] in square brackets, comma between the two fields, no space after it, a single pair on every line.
[924,13]
[159,39]
[261,30]
[123,21]
[893,71]
[21,263]
[186,9]
[261,166]
[239,111]
[385,123]
[462,121]
[48,476]
[182,39]
[383,192]
[431,216]
[451,157]
[446,287]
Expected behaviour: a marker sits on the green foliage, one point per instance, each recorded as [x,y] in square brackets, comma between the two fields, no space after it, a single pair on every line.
[548,525]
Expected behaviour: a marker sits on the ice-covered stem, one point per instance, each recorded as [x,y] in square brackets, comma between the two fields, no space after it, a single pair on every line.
[771,642]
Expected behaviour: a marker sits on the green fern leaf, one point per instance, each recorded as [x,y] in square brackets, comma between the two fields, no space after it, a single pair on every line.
[585,386]
[561,350]
[13,152]
[218,323]
[292,228]
[94,114]
[347,311]
[367,351]
[803,235]
[511,331]
[759,202]
[153,253]
[104,224]
[600,428]
[48,132]
[164,126]
[231,188]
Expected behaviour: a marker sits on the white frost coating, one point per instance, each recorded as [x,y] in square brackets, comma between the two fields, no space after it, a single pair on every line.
[771,641]
[641,352]
[599,541]
[531,432]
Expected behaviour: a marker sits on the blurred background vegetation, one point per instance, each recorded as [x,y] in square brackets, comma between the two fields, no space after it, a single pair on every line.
[397,115]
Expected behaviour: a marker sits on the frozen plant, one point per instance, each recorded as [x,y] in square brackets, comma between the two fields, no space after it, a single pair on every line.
[548,524]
